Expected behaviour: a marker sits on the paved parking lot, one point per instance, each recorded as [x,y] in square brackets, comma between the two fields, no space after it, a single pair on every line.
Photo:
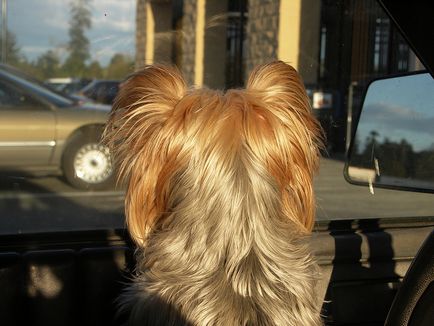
[337,199]
[48,204]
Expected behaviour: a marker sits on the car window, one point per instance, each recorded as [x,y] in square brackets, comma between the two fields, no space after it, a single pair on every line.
[112,89]
[12,98]
[36,86]
[337,46]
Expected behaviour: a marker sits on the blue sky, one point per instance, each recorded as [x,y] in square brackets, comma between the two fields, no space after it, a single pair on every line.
[400,108]
[40,25]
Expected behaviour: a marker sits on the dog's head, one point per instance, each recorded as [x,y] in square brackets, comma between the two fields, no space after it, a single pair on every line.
[168,139]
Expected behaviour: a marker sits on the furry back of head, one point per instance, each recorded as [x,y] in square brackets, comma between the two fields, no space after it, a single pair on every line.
[219,194]
[158,128]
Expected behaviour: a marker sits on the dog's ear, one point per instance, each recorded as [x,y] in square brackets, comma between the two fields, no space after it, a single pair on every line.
[135,134]
[279,83]
[297,136]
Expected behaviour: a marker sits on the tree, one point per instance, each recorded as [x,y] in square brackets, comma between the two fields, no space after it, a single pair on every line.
[78,45]
[120,66]
[13,55]
[48,64]
[94,70]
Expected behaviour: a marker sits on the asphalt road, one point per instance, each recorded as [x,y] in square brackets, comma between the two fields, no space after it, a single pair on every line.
[49,204]
[337,199]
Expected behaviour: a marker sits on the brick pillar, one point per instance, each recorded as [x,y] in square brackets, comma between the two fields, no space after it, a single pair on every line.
[153,32]
[287,30]
[140,33]
[188,32]
[199,38]
[204,42]
[261,32]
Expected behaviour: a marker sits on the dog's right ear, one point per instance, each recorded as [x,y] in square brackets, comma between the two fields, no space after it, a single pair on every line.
[136,137]
[144,102]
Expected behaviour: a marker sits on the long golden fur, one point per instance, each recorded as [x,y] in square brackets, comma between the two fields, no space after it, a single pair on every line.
[219,198]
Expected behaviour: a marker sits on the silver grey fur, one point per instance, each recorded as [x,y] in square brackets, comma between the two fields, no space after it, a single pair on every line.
[224,255]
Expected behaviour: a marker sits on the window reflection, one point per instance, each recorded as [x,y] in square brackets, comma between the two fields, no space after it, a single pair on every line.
[86,47]
[395,134]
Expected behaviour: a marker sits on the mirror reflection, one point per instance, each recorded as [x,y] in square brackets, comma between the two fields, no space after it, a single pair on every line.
[394,142]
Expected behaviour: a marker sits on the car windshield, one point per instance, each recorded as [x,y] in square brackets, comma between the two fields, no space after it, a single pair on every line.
[55,175]
[35,86]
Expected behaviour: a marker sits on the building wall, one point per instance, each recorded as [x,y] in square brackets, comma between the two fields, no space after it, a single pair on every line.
[261,32]
[153,32]
[163,31]
[309,40]
[276,29]
[288,30]
[188,32]
[215,44]
[140,33]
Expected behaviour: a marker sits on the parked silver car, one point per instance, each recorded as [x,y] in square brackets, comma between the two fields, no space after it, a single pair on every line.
[44,132]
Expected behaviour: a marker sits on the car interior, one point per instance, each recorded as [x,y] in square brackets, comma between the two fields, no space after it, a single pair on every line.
[374,271]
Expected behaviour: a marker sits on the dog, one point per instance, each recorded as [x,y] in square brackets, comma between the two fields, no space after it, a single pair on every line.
[219,198]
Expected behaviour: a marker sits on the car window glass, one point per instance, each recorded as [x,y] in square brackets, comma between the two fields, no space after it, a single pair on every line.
[337,46]
[13,98]
[35,86]
[112,90]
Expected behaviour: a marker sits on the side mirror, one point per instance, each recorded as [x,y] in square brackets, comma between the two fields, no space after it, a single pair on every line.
[393,146]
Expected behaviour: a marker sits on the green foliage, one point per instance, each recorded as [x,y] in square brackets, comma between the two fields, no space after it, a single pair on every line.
[78,46]
[94,70]
[29,68]
[48,65]
[120,66]
[13,55]
[76,65]
[396,159]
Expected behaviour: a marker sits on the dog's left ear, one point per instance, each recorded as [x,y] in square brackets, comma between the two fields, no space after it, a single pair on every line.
[136,136]
[294,149]
[279,84]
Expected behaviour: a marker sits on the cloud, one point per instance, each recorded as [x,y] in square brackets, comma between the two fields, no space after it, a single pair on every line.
[34,49]
[113,24]
[386,110]
[397,117]
[104,52]
[397,122]
[43,25]
[28,21]
[114,14]
[117,5]
[59,22]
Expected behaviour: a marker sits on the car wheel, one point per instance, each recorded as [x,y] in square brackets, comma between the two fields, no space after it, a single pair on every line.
[87,164]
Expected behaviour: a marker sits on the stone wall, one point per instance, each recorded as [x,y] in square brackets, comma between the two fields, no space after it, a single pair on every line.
[188,33]
[161,33]
[262,31]
[182,40]
[140,33]
[296,28]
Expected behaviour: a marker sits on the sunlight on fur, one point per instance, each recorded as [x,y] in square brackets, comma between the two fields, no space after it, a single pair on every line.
[219,198]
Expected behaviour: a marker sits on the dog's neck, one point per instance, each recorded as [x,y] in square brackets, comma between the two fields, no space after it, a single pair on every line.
[220,251]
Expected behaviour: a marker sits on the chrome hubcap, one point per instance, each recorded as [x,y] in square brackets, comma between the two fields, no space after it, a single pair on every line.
[92,163]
